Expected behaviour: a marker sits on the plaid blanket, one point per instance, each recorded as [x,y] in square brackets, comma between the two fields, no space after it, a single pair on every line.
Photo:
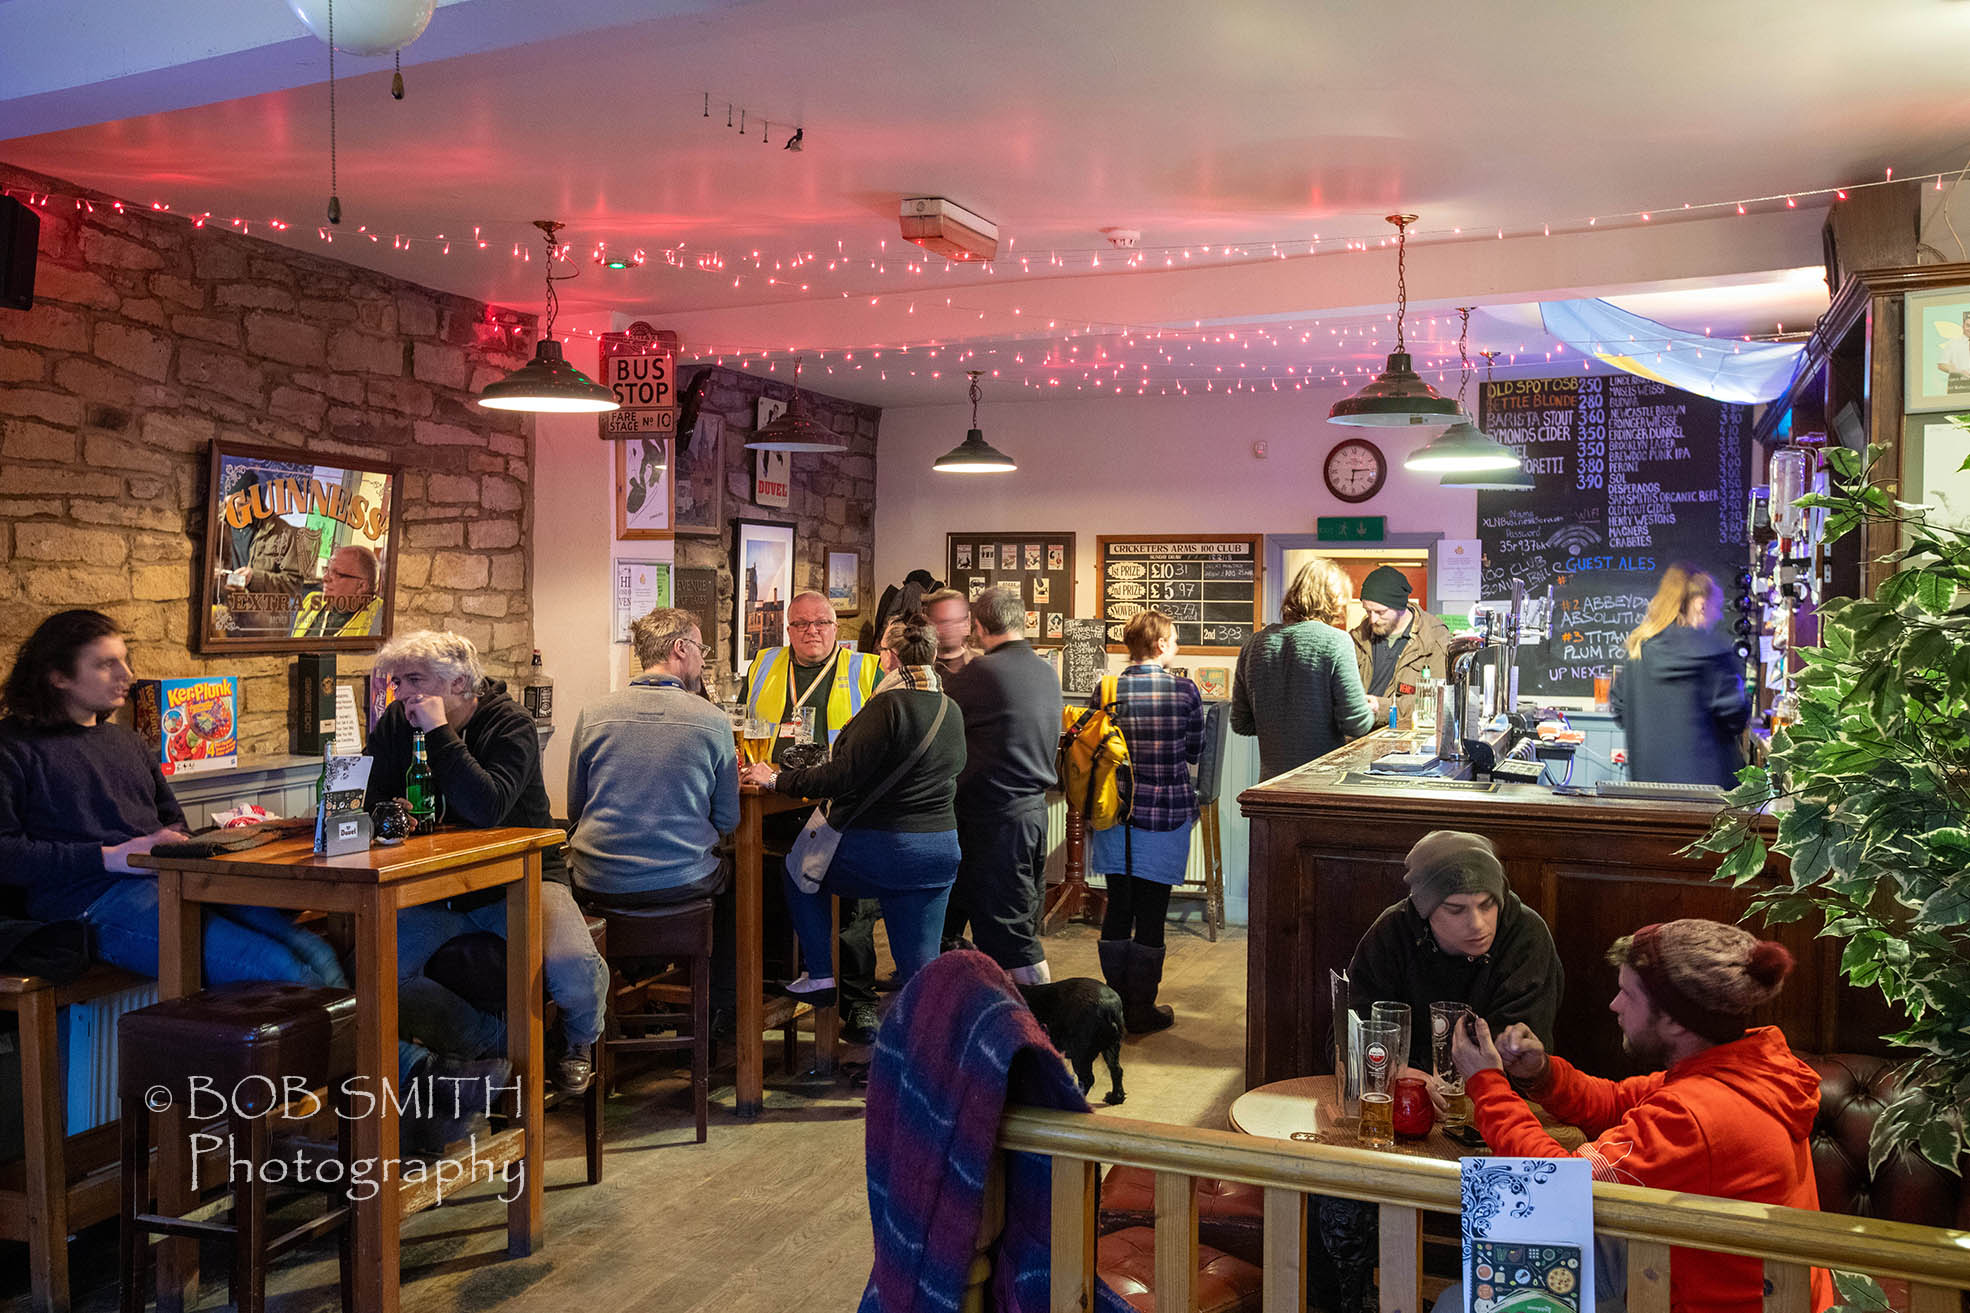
[957,1047]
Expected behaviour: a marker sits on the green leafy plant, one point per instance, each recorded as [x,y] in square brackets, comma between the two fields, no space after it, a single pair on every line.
[1871,791]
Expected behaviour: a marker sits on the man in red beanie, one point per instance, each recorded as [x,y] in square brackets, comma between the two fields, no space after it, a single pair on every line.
[1726,1110]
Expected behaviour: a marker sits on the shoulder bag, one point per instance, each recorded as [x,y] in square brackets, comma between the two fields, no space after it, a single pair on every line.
[813,849]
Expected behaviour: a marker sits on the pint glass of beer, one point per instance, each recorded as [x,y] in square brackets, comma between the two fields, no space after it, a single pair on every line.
[1445,1018]
[1379,1064]
[759,738]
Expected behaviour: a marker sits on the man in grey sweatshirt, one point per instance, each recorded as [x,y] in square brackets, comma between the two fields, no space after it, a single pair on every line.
[653,781]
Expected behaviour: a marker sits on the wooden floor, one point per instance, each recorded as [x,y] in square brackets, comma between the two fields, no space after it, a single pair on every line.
[765,1217]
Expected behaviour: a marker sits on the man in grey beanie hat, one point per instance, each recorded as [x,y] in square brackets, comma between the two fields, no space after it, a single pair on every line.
[1396,641]
[1462,936]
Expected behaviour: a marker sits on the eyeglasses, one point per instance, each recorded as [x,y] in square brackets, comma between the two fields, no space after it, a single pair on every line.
[810,625]
[703,648]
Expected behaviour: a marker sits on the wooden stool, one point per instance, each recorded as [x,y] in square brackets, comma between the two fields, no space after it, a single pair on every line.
[677,932]
[252,1043]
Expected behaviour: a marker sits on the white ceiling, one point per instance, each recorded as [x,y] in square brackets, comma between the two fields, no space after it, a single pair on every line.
[1204,126]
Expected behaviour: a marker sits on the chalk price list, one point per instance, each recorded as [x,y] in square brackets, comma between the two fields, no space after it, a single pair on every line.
[1209,601]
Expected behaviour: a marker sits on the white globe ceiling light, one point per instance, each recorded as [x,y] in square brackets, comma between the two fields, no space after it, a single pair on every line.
[367,27]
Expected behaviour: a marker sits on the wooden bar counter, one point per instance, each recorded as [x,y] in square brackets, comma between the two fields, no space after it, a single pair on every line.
[1327,857]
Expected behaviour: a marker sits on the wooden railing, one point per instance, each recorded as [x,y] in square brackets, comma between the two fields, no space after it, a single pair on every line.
[1933,1260]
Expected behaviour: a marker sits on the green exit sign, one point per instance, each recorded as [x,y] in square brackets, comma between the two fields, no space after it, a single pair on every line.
[1351,528]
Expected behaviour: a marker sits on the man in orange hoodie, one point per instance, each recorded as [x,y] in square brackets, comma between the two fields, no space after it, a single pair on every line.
[1726,1110]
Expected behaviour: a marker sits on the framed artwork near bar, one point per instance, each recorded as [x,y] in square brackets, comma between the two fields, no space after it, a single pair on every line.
[300,553]
[762,571]
[845,581]
[642,488]
[697,476]
[1936,350]
[1934,451]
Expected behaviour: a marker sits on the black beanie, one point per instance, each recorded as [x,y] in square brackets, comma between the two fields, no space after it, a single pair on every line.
[1386,586]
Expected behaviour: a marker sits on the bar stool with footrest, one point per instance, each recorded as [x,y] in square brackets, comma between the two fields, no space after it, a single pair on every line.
[678,932]
[253,1044]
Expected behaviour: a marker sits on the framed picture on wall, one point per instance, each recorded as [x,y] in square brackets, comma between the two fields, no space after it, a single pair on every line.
[1934,450]
[762,570]
[1936,341]
[642,488]
[300,554]
[844,581]
[697,473]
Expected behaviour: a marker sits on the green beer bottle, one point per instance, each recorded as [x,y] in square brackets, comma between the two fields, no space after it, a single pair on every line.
[419,788]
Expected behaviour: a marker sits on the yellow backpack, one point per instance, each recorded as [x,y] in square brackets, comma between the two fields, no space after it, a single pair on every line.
[1093,762]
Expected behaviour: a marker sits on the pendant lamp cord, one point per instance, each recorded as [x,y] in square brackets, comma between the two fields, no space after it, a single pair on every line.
[975,394]
[1463,335]
[1401,277]
[548,229]
[334,191]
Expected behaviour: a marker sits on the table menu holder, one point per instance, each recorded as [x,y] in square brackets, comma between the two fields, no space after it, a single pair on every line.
[1347,1046]
[346,780]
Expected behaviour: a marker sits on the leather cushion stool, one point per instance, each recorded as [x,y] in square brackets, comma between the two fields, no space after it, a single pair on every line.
[1126,1260]
[671,931]
[249,1046]
[1230,1214]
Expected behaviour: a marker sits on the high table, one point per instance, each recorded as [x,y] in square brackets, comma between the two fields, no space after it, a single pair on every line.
[756,1013]
[370,887]
[1308,1108]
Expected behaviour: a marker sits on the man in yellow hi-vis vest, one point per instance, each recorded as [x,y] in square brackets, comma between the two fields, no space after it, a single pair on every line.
[809,690]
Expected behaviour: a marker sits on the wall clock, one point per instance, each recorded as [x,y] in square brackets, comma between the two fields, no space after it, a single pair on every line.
[1355,470]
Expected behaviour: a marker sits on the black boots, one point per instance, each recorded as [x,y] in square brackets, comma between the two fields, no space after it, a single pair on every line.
[1136,973]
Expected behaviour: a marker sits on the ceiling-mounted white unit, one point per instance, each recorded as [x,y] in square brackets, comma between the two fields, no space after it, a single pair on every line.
[949,230]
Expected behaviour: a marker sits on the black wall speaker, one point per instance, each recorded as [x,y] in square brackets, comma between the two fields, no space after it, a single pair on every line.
[20,233]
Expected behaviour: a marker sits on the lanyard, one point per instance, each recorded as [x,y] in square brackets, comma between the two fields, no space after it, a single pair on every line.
[822,677]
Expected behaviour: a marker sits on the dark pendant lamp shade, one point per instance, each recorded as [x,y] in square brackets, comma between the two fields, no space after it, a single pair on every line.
[1396,398]
[1462,447]
[548,383]
[1516,480]
[794,431]
[974,455]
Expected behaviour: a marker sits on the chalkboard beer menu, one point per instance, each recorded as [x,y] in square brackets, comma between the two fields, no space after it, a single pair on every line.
[1208,587]
[1629,475]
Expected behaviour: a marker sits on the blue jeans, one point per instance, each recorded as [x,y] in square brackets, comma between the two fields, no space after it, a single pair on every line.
[909,874]
[241,943]
[577,977]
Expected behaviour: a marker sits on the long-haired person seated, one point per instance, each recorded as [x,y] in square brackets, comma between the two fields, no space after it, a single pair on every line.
[892,779]
[79,797]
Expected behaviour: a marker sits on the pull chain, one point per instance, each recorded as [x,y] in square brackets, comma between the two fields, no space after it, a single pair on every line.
[1463,334]
[334,199]
[397,79]
[1401,275]
[975,394]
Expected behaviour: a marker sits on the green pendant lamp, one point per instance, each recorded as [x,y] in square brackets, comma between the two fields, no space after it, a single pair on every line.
[548,384]
[1463,448]
[1397,397]
[974,455]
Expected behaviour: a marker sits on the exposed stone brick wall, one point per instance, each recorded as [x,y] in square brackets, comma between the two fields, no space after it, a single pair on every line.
[833,500]
[150,337]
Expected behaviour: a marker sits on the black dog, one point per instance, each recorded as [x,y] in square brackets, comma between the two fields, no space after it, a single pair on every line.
[1083,1018]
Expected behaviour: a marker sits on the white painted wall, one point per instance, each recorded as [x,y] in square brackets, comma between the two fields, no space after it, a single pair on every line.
[574,547]
[1125,465]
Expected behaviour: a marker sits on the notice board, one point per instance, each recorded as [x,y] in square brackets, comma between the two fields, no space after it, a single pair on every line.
[1208,585]
[1629,475]
[1037,566]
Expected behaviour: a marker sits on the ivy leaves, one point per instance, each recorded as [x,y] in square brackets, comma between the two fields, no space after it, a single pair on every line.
[1870,789]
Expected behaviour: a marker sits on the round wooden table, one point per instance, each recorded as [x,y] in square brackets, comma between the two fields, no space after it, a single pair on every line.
[1307,1108]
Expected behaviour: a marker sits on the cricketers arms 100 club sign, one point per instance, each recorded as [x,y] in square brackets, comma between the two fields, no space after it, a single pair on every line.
[641,369]
[1207,586]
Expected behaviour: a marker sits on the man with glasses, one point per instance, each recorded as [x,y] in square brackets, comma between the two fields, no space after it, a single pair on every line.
[347,603]
[809,689]
[632,845]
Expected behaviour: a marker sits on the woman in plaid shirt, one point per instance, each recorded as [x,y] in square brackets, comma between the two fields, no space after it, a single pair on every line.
[1162,720]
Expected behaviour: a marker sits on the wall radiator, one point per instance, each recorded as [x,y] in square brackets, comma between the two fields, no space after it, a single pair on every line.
[87,1040]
